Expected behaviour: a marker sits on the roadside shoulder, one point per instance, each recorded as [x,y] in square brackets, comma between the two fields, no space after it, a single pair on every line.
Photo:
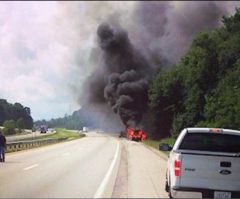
[159,153]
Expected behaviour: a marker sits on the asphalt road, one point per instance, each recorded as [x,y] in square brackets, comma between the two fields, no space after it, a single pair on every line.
[96,166]
[74,169]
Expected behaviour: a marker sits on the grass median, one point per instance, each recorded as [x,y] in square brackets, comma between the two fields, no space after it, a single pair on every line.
[60,133]
[155,144]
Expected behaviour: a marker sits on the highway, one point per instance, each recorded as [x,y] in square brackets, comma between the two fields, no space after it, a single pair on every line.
[95,166]
[29,135]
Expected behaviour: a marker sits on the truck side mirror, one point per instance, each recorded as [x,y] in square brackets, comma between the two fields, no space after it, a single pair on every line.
[165,147]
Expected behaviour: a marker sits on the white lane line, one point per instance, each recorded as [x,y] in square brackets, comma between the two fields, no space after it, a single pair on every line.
[65,154]
[35,165]
[102,186]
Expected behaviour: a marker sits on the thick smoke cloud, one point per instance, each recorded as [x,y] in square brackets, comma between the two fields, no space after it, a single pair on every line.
[169,27]
[129,52]
[123,80]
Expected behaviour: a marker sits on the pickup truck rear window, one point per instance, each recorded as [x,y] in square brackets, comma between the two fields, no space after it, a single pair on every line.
[214,142]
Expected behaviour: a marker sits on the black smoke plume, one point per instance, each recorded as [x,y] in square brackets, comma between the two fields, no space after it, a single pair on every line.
[127,75]
[129,55]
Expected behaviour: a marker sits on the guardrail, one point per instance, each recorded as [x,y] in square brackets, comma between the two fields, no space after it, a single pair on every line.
[21,145]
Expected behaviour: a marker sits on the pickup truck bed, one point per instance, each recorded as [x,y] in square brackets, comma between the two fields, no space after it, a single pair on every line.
[205,163]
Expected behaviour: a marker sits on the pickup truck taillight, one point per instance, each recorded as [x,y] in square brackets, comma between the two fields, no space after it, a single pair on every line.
[177,168]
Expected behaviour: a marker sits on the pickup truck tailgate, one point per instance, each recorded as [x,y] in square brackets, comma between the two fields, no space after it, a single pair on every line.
[210,172]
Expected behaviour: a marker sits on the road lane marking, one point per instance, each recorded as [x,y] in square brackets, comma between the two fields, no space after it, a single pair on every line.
[35,165]
[102,186]
[65,154]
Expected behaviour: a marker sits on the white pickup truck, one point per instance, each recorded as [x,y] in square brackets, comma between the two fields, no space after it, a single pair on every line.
[204,163]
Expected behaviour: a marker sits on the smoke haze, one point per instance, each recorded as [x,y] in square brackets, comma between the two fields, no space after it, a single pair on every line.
[131,44]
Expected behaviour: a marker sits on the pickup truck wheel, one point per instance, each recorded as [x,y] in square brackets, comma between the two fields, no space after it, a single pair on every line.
[169,194]
[166,186]
[169,191]
[166,183]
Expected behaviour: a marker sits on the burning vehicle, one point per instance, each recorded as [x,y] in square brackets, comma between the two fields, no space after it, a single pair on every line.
[136,134]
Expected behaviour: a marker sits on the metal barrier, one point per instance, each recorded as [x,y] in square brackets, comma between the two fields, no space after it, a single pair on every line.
[21,145]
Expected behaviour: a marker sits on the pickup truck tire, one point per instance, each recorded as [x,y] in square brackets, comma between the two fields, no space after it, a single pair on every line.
[169,194]
[166,186]
[166,183]
[169,191]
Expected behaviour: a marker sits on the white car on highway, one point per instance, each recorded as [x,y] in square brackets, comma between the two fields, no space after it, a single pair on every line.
[204,163]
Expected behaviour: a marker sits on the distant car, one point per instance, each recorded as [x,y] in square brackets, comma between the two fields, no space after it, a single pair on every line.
[43,129]
[122,134]
[85,129]
[204,163]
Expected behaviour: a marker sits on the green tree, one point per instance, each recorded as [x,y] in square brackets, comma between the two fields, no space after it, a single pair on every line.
[20,124]
[223,104]
[9,127]
[15,111]
[203,90]
[28,121]
[166,98]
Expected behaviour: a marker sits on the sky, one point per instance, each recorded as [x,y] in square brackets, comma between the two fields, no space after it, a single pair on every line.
[38,42]
[46,49]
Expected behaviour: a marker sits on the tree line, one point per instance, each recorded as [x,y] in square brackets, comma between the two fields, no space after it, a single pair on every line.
[76,121]
[203,89]
[14,116]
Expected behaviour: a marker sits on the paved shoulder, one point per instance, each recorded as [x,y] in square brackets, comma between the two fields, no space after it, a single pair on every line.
[142,172]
